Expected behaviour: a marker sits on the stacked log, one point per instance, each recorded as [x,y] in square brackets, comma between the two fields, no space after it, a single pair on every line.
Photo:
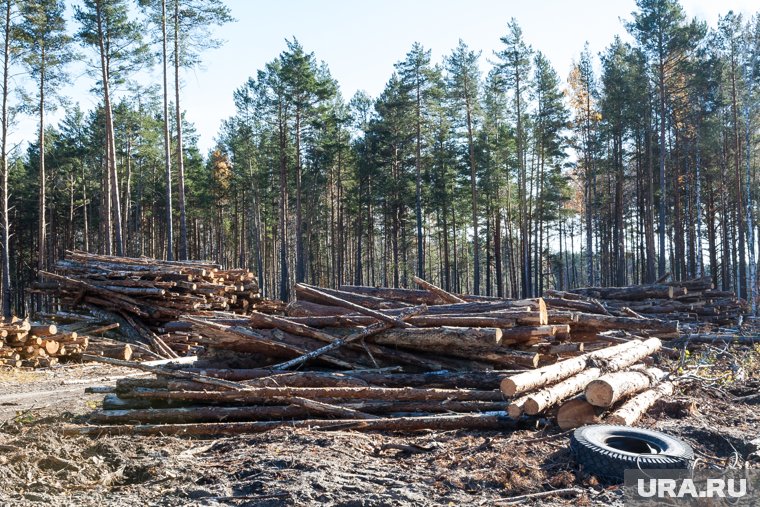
[36,345]
[420,330]
[193,400]
[145,295]
[692,303]
[586,387]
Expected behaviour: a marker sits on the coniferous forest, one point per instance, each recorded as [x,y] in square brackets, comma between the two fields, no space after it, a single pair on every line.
[491,174]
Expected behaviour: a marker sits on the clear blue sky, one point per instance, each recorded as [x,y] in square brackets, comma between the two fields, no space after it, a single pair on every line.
[361,40]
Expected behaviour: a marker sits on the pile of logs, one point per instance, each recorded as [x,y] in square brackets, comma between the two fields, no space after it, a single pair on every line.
[191,400]
[693,303]
[368,358]
[144,296]
[609,384]
[37,345]
[417,330]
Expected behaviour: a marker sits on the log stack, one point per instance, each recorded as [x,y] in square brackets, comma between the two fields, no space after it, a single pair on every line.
[423,330]
[37,345]
[145,295]
[694,304]
[417,330]
[609,382]
[193,400]
[382,359]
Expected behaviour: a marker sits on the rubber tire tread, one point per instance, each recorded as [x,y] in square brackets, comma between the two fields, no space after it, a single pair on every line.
[588,446]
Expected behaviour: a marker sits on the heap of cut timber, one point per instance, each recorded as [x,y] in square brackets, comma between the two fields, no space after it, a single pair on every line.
[37,345]
[210,401]
[666,310]
[610,382]
[144,296]
[423,330]
[192,400]
[373,359]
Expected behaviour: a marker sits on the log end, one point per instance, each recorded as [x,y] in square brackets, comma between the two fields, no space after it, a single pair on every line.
[543,313]
[599,393]
[616,420]
[531,407]
[577,412]
[508,387]
[514,410]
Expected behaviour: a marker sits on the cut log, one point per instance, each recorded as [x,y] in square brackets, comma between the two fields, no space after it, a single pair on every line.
[610,388]
[441,379]
[663,328]
[127,411]
[456,341]
[302,308]
[578,412]
[516,407]
[529,380]
[485,421]
[409,296]
[263,394]
[628,357]
[632,410]
[51,346]
[541,400]
[633,293]
[44,329]
[117,351]
[446,296]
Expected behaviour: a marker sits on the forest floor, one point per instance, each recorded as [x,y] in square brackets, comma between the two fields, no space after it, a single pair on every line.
[717,411]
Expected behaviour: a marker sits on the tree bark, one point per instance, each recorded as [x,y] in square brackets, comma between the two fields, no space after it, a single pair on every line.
[615,356]
[180,147]
[632,410]
[167,142]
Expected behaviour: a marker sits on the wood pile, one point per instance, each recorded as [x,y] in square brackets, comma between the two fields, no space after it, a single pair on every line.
[192,400]
[144,296]
[37,345]
[612,382]
[693,303]
[417,330]
[373,359]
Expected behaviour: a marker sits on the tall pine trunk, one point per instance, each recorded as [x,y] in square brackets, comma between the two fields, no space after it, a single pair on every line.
[113,176]
[180,147]
[167,142]
[5,264]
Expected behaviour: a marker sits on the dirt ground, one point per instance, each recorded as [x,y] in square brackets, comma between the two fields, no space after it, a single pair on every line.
[296,467]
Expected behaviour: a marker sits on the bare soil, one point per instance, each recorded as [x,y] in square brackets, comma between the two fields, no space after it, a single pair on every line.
[296,467]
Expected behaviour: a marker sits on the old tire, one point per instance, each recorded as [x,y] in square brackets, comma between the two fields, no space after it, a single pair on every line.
[607,451]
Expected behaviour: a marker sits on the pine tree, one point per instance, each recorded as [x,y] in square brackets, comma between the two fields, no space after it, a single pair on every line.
[463,84]
[45,47]
[106,26]
[658,27]
[514,66]
[192,23]
[583,100]
[416,77]
[550,118]
[5,225]
[306,89]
